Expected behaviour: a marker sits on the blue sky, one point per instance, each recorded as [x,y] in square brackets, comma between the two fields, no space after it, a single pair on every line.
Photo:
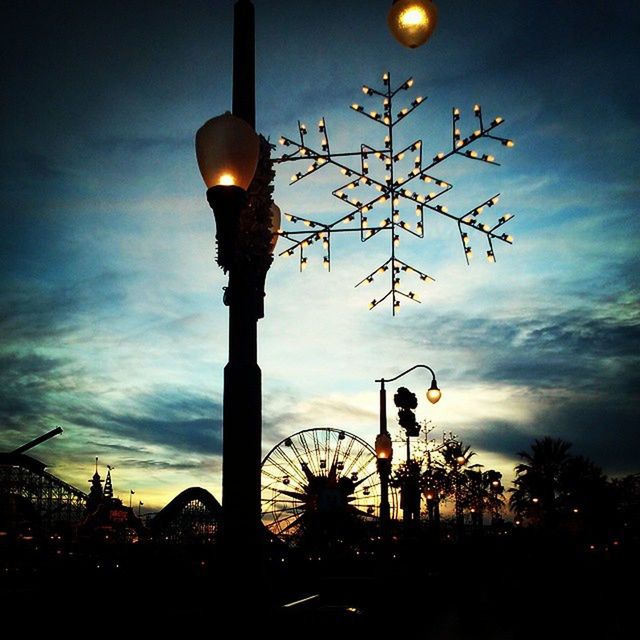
[111,318]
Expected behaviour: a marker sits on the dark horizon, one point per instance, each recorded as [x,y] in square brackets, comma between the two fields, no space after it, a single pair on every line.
[111,320]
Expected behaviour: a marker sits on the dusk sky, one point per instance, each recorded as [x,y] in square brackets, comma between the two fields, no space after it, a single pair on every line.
[111,316]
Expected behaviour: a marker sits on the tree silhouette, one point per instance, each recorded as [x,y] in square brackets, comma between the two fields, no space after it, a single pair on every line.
[553,488]
[626,493]
[406,401]
[482,492]
[456,457]
[537,482]
[436,484]
[407,477]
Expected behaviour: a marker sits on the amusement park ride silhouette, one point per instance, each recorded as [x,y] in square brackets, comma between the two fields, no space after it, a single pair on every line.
[319,482]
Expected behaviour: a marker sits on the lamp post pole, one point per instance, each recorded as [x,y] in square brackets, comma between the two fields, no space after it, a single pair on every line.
[242,398]
[244,62]
[433,395]
[384,467]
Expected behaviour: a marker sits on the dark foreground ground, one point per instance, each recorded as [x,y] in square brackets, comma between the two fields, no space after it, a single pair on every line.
[488,589]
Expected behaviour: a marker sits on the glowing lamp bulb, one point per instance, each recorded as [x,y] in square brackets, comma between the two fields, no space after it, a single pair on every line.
[434,394]
[227,151]
[384,447]
[412,22]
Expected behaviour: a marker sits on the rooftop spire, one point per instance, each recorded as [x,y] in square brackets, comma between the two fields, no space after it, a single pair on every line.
[108,487]
[95,493]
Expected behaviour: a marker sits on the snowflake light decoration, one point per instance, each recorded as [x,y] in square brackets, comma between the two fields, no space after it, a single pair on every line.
[391,190]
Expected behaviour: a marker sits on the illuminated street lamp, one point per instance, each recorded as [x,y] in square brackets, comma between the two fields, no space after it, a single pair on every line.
[236,167]
[383,440]
[227,150]
[384,448]
[412,22]
[434,394]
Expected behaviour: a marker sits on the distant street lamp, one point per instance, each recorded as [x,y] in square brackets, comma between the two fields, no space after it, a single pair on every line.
[384,455]
[384,450]
[412,22]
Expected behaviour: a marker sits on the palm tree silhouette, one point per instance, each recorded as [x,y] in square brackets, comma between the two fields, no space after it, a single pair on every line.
[538,482]
[483,491]
[456,457]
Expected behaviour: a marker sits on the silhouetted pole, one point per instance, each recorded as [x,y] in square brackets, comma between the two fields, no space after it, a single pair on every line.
[242,412]
[385,468]
[244,62]
[236,166]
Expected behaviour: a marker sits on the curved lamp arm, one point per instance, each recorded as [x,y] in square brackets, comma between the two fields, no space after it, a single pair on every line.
[417,366]
[433,395]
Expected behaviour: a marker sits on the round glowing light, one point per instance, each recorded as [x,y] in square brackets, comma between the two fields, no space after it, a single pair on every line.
[227,150]
[434,394]
[384,447]
[412,22]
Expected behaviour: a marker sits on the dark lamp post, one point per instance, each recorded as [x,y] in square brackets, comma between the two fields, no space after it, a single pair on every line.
[412,22]
[383,440]
[236,166]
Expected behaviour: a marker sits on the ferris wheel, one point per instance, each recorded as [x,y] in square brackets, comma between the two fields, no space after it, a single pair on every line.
[319,476]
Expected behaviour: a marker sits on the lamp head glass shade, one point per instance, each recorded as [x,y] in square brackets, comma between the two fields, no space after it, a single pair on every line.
[434,394]
[412,21]
[227,150]
[384,448]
